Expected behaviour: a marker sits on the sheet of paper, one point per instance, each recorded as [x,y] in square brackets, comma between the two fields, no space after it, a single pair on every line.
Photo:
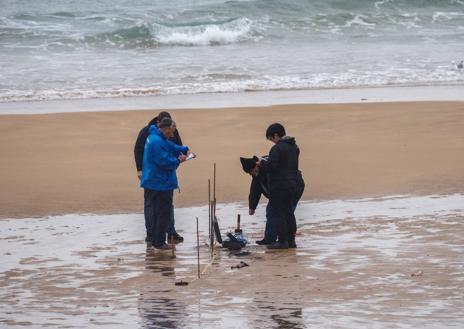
[191,156]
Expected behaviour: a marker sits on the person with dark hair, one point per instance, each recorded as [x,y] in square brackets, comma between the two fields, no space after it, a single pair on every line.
[160,161]
[138,155]
[260,186]
[282,169]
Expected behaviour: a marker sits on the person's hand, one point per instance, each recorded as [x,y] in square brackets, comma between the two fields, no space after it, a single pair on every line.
[251,212]
[139,174]
[182,158]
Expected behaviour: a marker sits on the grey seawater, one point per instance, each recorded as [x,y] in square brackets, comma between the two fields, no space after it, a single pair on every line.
[52,49]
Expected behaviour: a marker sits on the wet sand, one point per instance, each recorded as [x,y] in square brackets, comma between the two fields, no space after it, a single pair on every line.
[372,263]
[83,162]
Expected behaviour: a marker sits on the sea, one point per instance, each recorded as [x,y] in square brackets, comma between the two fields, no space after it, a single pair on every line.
[85,49]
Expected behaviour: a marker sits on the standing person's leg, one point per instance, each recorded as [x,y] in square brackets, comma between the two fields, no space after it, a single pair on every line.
[171,230]
[163,208]
[279,217]
[270,231]
[292,227]
[149,213]
[171,227]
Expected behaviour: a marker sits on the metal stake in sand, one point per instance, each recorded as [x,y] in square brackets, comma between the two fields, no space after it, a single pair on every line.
[209,210]
[198,250]
[173,246]
[214,210]
[238,230]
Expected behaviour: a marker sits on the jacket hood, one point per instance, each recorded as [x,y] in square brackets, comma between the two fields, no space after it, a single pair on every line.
[153,121]
[154,130]
[288,139]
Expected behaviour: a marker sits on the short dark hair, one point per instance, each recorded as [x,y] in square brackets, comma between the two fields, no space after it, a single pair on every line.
[166,122]
[275,128]
[163,115]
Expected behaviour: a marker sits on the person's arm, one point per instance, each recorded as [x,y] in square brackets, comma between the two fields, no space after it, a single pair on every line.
[178,150]
[139,149]
[177,140]
[162,157]
[254,196]
[272,163]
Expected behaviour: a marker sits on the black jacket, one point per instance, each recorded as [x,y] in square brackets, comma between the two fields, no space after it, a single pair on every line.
[260,186]
[140,142]
[282,164]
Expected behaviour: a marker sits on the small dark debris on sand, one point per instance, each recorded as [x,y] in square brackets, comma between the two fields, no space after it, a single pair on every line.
[239,265]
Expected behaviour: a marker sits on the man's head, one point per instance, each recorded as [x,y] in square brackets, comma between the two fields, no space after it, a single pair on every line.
[250,166]
[167,126]
[275,132]
[156,120]
[163,115]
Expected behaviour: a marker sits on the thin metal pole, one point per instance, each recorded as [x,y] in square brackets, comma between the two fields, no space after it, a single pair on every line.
[209,209]
[214,209]
[198,250]
[211,236]
[173,246]
[214,182]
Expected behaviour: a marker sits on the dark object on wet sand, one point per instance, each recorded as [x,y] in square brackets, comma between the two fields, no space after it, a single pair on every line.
[163,247]
[233,243]
[239,265]
[181,283]
[177,238]
[263,242]
[217,231]
[242,253]
[238,230]
[278,245]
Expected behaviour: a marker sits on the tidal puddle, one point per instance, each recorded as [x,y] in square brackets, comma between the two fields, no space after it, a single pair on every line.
[393,262]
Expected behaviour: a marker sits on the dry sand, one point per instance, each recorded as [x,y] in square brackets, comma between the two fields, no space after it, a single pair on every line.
[83,162]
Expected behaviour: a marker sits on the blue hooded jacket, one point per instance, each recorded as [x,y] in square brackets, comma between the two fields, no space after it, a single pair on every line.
[160,161]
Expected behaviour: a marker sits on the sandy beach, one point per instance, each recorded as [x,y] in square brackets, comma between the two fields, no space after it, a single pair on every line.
[392,262]
[379,228]
[83,162]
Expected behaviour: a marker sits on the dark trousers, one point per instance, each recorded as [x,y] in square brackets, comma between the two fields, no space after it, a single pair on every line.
[282,206]
[159,210]
[270,230]
[171,230]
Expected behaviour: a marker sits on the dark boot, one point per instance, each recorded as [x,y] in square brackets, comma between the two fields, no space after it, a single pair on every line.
[292,244]
[278,245]
[163,247]
[263,242]
[176,237]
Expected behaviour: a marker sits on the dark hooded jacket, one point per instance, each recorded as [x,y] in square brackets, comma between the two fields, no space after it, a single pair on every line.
[141,139]
[282,165]
[260,186]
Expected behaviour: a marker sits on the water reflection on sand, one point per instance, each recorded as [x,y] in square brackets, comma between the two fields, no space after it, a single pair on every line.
[381,263]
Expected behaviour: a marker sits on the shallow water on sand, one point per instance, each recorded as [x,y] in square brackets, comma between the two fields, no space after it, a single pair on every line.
[394,262]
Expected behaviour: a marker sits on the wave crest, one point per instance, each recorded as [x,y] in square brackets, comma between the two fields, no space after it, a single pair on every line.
[207,34]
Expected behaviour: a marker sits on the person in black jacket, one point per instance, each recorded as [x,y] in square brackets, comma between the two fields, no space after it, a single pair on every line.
[282,169]
[260,186]
[138,155]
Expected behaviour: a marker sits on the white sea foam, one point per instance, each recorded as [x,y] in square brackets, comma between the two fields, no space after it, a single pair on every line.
[212,34]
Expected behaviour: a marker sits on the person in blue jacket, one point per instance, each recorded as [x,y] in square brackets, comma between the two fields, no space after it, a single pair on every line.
[161,158]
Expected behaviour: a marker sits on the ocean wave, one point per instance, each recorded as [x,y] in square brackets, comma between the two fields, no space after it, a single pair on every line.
[226,82]
[206,34]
